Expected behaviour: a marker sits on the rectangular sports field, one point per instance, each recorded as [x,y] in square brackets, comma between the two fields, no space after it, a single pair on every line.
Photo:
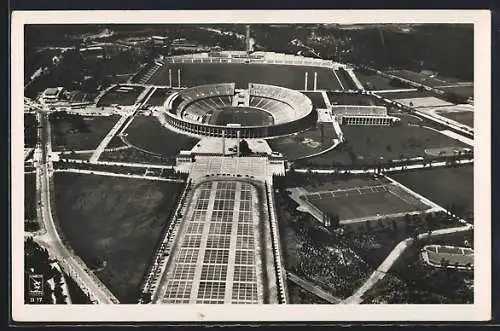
[122,98]
[444,186]
[464,91]
[281,75]
[116,220]
[366,201]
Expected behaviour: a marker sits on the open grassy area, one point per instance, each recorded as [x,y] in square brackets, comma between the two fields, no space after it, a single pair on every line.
[30,196]
[120,97]
[145,132]
[291,76]
[445,186]
[464,117]
[367,145]
[303,144]
[74,132]
[298,295]
[316,99]
[114,224]
[30,130]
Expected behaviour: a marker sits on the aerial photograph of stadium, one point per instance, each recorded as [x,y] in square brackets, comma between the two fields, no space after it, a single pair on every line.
[248,164]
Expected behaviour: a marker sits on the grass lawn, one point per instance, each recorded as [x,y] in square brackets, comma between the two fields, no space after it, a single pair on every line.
[65,137]
[30,130]
[444,186]
[114,223]
[304,143]
[423,79]
[368,144]
[374,81]
[298,295]
[158,97]
[463,91]
[411,280]
[353,99]
[30,196]
[316,99]
[290,76]
[147,133]
[120,98]
[464,117]
[406,95]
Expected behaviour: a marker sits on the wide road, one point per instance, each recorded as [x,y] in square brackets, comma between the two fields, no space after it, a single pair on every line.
[77,268]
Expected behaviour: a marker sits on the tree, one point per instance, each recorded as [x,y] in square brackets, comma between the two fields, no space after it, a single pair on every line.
[244,149]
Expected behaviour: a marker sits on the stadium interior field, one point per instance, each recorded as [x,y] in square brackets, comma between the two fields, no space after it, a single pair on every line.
[242,74]
[245,116]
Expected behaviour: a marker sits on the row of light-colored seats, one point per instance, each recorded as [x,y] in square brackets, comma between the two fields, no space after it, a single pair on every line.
[281,111]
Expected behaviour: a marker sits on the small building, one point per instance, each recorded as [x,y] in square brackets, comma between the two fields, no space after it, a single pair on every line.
[52,94]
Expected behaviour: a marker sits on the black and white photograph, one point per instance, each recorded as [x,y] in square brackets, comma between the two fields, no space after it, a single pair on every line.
[317,165]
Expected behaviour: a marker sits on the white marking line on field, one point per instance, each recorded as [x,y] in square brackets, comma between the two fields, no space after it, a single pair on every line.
[338,79]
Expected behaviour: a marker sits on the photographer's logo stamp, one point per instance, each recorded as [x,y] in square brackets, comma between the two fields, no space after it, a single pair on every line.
[35,288]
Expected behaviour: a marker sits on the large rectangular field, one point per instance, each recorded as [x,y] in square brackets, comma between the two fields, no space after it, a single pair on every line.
[75,132]
[464,117]
[306,143]
[146,133]
[366,201]
[290,76]
[444,186]
[114,224]
[352,99]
